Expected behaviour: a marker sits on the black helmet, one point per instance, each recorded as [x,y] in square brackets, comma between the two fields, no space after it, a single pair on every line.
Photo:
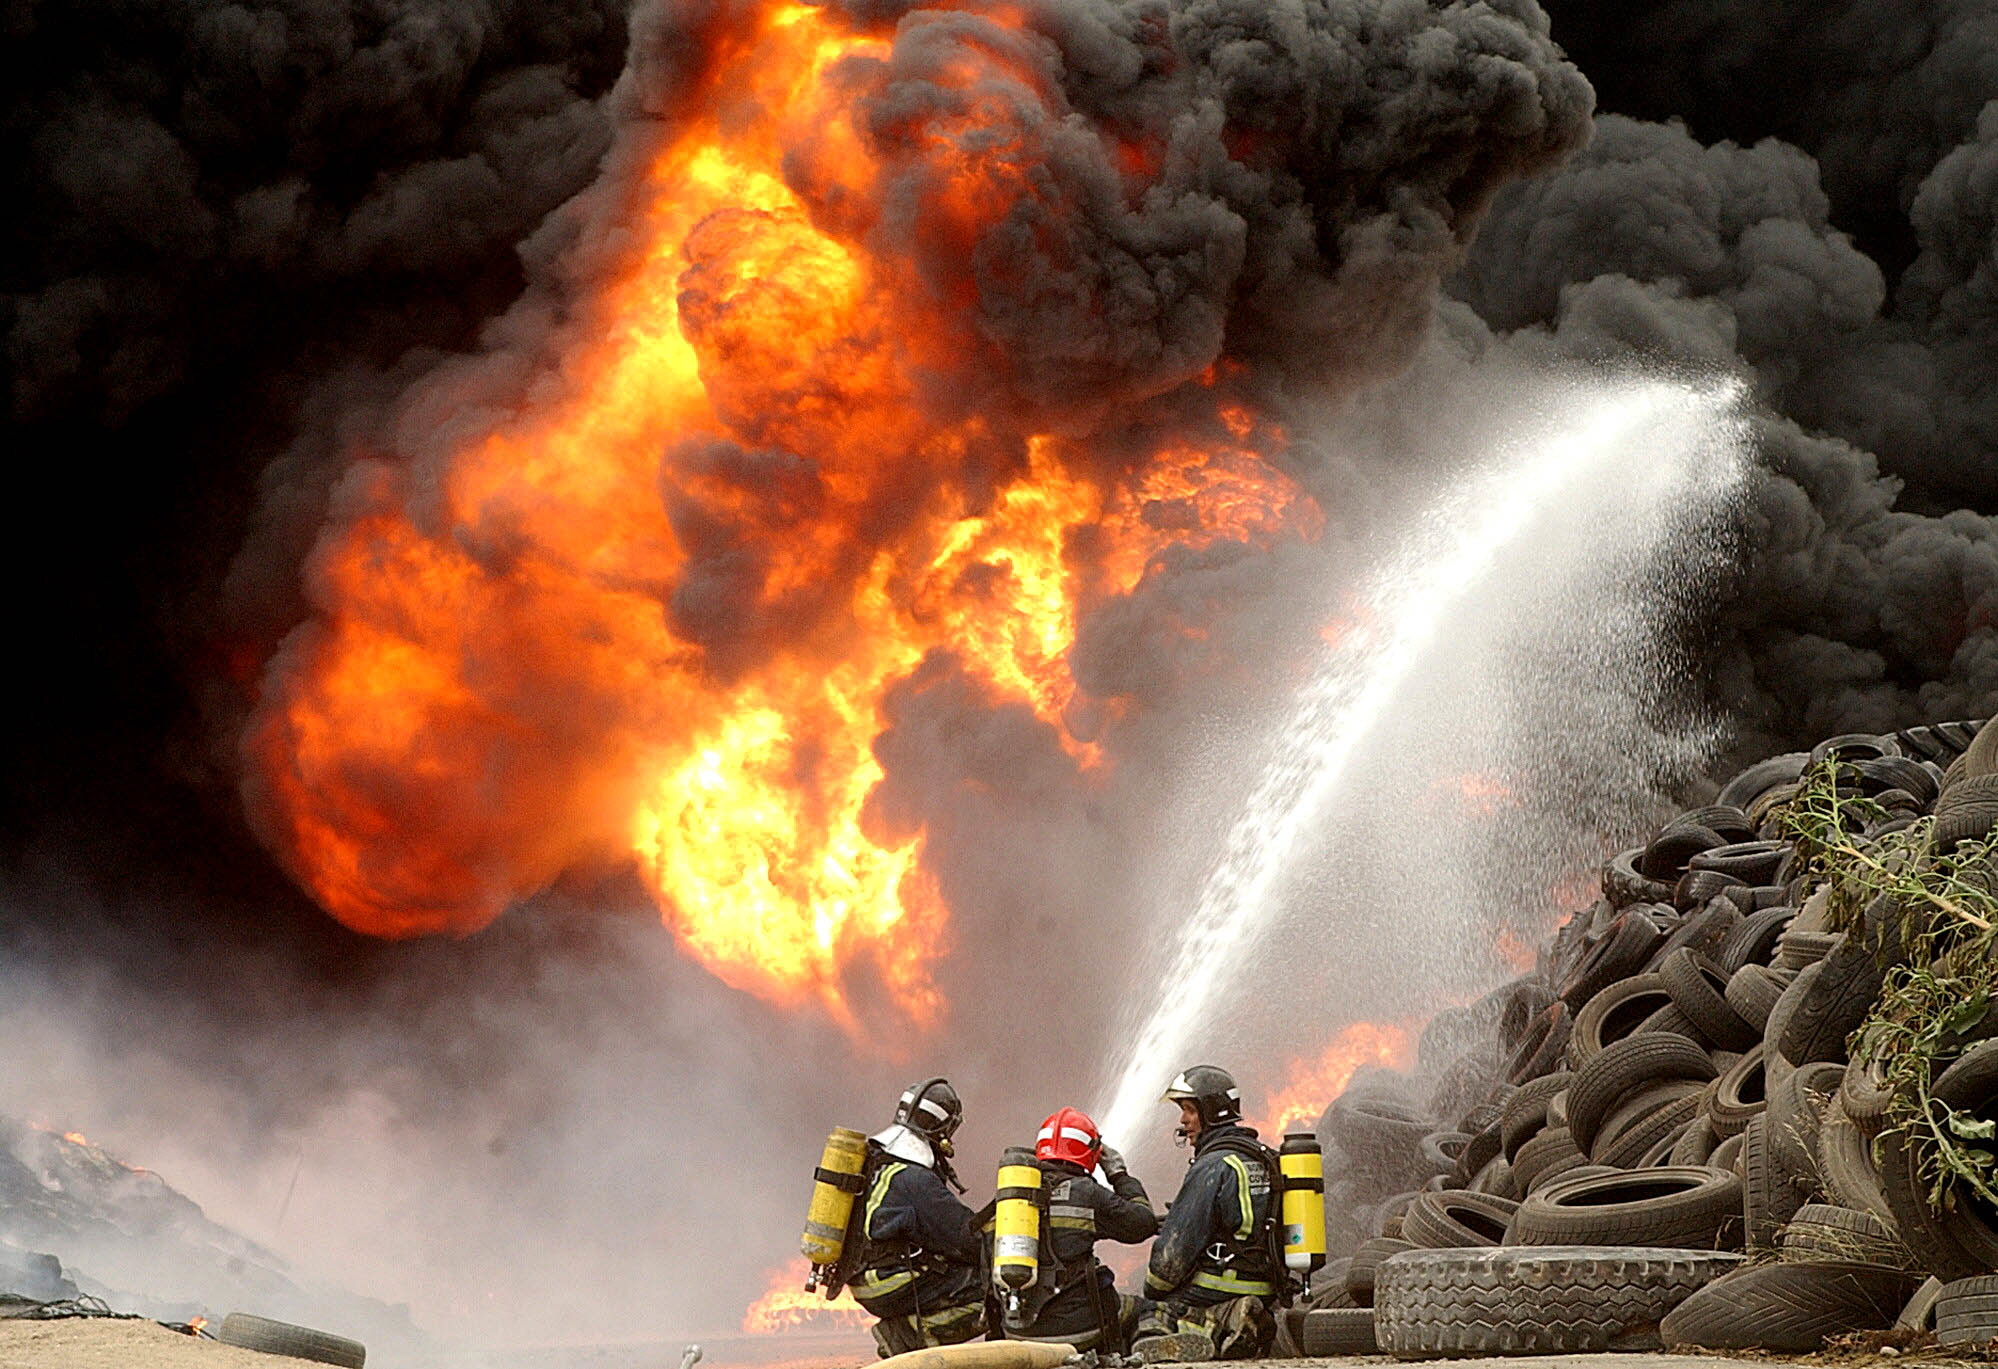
[1211,1090]
[932,1110]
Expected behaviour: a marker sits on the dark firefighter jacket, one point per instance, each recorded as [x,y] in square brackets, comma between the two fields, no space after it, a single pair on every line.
[1212,1245]
[1080,1212]
[923,1250]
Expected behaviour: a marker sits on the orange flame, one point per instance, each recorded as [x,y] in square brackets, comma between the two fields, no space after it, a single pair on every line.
[1312,1082]
[785,1306]
[513,669]
[1475,793]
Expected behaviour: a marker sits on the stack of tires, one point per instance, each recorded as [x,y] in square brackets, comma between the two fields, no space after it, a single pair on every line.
[1658,1136]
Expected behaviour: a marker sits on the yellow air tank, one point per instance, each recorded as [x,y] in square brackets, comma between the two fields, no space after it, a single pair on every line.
[1303,1165]
[835,1184]
[1016,1221]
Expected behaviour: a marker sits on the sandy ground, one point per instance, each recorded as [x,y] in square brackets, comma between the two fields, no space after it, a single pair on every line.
[103,1343]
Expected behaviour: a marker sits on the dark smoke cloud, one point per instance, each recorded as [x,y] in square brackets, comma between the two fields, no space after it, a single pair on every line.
[1850,610]
[1306,173]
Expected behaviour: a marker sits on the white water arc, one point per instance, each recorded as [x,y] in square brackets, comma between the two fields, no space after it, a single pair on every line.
[1385,644]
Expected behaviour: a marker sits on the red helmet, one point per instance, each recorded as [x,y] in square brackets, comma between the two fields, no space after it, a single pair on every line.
[1069,1135]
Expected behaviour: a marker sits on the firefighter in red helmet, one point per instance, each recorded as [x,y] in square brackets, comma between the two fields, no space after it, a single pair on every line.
[1075,1299]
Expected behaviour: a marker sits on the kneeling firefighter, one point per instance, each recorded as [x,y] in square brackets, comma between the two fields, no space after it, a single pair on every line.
[1216,1276]
[920,1268]
[1051,1287]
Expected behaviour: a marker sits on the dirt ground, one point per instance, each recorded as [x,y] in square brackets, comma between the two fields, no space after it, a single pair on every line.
[102,1343]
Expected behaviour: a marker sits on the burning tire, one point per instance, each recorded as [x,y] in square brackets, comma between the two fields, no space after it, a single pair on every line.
[282,1338]
[1551,1301]
[1689,1208]
[1791,1307]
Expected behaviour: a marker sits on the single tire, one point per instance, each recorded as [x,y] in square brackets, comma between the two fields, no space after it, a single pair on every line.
[1525,1113]
[1624,1068]
[1623,885]
[1864,1092]
[1740,1095]
[1439,1221]
[1656,1116]
[1723,819]
[1752,783]
[1478,1152]
[1898,773]
[1552,1300]
[1495,1181]
[1442,1149]
[1789,1307]
[1670,1019]
[1842,993]
[1799,951]
[1542,1048]
[1689,1208]
[1845,1164]
[1666,854]
[282,1338]
[1697,888]
[1966,1311]
[1618,1011]
[1367,1259]
[1968,1086]
[1796,1115]
[1375,1131]
[1624,948]
[1821,1231]
[1695,1145]
[1754,941]
[1705,932]
[1855,746]
[1699,990]
[1939,743]
[1769,1194]
[1751,862]
[1981,756]
[1920,1312]
[1727,1155]
[1967,810]
[1330,1332]
[1545,1158]
[1752,992]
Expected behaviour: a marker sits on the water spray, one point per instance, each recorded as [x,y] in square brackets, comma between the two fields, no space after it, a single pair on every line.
[1693,460]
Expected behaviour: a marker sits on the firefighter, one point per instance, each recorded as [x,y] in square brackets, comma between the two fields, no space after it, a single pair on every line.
[922,1266]
[1074,1298]
[1214,1280]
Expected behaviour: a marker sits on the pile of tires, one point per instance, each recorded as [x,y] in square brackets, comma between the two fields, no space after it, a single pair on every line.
[1658,1137]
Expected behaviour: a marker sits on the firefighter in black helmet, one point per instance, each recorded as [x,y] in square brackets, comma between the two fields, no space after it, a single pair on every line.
[1214,1278]
[922,1267]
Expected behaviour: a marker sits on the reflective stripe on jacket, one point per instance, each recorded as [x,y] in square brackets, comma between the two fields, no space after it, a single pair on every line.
[1211,1244]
